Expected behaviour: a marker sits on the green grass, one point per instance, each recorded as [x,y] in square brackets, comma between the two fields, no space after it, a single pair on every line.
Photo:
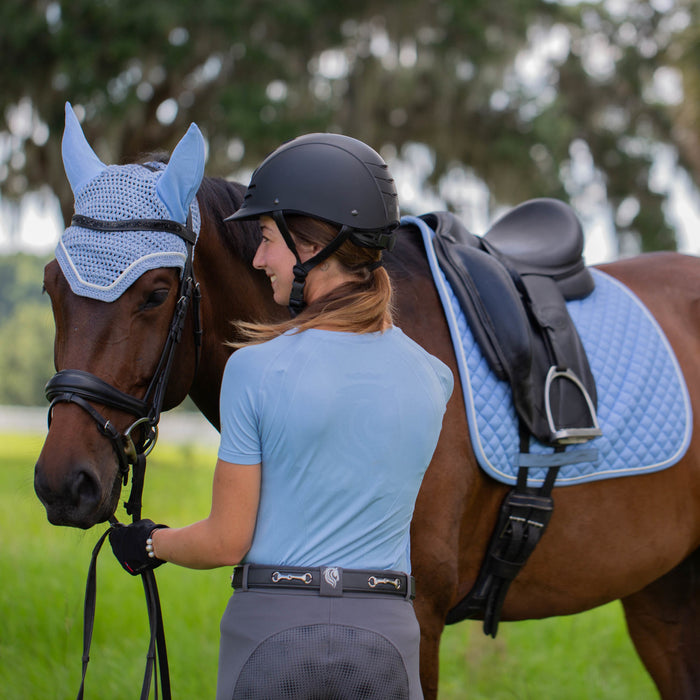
[43,570]
[581,657]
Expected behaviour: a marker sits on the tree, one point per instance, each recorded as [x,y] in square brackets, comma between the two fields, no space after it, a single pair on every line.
[26,354]
[20,282]
[26,331]
[518,93]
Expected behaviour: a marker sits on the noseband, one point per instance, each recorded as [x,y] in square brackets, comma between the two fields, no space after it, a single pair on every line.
[82,388]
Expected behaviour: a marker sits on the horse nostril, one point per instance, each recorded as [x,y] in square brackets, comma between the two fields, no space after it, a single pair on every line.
[73,500]
[84,490]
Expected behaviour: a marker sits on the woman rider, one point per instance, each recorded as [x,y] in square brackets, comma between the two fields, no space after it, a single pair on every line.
[328,423]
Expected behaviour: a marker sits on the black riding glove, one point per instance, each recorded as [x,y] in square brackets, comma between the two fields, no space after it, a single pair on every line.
[129,545]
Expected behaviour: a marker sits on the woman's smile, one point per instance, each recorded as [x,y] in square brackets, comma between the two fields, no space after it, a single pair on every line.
[276,259]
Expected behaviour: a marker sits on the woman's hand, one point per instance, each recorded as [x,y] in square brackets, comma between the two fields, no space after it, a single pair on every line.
[130,542]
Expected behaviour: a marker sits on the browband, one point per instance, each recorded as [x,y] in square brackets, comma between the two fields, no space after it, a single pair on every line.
[164,225]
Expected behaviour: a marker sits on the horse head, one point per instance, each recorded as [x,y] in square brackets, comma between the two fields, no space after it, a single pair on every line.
[121,288]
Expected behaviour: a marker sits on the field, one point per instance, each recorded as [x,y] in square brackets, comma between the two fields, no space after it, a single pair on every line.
[43,570]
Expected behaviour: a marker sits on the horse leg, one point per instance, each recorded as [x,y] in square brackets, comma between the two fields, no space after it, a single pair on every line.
[431,628]
[664,623]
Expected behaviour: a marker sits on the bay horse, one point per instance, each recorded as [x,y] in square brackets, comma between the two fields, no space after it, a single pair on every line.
[633,539]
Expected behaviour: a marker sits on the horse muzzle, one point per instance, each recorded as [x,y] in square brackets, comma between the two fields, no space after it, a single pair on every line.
[79,481]
[77,498]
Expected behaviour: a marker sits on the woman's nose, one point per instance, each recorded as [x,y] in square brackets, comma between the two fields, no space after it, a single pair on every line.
[258,259]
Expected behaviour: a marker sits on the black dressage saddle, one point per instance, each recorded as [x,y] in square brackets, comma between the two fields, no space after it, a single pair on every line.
[513,284]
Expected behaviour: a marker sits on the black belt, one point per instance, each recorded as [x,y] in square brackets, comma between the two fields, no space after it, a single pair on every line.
[327,580]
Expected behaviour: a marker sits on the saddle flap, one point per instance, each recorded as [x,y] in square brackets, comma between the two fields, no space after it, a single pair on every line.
[447,225]
[569,390]
[491,304]
[521,322]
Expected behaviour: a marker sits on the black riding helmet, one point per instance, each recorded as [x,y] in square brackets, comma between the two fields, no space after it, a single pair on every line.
[325,176]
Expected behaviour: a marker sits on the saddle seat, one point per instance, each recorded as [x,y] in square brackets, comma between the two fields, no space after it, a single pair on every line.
[544,237]
[512,284]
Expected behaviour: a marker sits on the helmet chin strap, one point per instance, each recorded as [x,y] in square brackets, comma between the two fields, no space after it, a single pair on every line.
[302,269]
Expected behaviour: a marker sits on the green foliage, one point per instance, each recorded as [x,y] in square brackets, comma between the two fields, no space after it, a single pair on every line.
[21,278]
[26,331]
[578,657]
[445,73]
[26,354]
[43,571]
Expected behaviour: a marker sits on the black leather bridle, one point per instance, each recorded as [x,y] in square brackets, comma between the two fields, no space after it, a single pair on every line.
[82,388]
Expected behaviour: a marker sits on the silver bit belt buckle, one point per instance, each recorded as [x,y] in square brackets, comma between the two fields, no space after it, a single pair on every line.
[373,582]
[304,578]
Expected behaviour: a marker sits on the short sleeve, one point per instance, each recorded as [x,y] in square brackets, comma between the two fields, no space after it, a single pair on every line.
[239,412]
[446,379]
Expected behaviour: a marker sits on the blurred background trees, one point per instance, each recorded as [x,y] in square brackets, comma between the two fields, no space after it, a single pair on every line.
[519,94]
[476,104]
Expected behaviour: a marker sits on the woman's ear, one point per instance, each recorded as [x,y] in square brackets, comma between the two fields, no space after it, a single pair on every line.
[307,250]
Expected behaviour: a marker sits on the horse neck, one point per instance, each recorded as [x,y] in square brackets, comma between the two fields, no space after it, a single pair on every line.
[231,291]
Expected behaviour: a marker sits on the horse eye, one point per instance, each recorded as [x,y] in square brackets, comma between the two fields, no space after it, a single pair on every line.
[155,298]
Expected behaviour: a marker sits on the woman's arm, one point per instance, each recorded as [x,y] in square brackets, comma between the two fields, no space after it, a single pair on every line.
[226,535]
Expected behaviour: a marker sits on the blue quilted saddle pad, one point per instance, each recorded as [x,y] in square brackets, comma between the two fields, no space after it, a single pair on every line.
[644,408]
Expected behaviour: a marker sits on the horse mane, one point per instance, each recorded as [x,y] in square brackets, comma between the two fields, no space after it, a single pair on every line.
[219,198]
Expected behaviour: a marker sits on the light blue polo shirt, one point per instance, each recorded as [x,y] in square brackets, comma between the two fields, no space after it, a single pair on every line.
[345,426]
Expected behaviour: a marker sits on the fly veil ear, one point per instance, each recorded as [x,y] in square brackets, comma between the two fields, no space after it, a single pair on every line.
[79,160]
[183,174]
[177,186]
[102,263]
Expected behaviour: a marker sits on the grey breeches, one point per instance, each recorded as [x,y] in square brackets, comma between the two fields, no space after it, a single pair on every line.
[302,646]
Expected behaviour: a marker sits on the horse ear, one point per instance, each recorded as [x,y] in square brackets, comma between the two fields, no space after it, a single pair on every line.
[180,181]
[79,160]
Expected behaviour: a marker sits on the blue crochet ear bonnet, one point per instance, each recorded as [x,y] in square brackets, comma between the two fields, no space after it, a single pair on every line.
[101,264]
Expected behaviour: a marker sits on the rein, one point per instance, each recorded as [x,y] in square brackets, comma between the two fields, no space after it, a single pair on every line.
[82,388]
